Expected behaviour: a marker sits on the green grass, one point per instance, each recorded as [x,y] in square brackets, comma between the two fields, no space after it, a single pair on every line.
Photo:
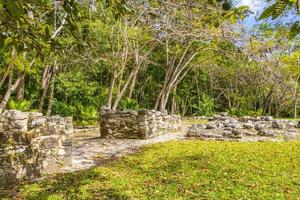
[185,170]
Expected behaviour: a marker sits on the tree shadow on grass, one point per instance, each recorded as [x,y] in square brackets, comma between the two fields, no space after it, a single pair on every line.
[65,186]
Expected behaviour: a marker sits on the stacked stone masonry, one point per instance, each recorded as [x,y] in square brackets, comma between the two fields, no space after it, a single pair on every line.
[32,144]
[224,127]
[131,124]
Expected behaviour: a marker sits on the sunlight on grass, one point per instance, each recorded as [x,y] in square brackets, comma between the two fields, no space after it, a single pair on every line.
[185,170]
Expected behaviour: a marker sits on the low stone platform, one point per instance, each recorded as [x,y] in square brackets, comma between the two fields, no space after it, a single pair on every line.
[264,128]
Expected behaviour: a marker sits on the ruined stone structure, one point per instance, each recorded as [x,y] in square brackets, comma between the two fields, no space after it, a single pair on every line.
[31,144]
[136,125]
[224,127]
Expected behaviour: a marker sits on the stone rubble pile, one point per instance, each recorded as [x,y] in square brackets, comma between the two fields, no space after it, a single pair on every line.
[142,124]
[222,126]
[32,144]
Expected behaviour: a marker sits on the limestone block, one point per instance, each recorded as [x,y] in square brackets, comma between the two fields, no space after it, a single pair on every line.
[277,124]
[248,125]
[19,125]
[266,133]
[48,142]
[15,115]
[38,121]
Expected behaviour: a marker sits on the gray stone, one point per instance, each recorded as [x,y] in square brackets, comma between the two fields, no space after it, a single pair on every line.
[266,118]
[211,126]
[266,133]
[259,126]
[227,134]
[248,125]
[237,133]
[278,124]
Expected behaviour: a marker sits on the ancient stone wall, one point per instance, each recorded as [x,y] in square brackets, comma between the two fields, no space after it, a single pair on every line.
[136,125]
[224,127]
[31,144]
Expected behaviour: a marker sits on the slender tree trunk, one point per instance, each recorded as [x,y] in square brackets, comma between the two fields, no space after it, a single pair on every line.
[43,97]
[296,103]
[50,99]
[174,104]
[11,88]
[295,107]
[158,100]
[122,91]
[5,75]
[132,85]
[21,87]
[110,91]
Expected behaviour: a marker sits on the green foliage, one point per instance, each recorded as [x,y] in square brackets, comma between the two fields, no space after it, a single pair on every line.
[278,8]
[86,115]
[205,106]
[184,170]
[64,109]
[243,112]
[22,105]
[83,115]
[128,103]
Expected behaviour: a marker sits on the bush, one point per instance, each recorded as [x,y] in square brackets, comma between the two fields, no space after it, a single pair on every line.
[205,106]
[243,112]
[22,105]
[129,103]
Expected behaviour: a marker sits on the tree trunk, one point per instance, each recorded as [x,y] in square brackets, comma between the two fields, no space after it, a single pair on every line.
[296,103]
[50,99]
[174,106]
[295,107]
[5,75]
[131,88]
[11,88]
[21,87]
[43,97]
[110,91]
[122,91]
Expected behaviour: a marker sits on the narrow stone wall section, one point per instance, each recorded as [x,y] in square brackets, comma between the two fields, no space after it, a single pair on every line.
[136,125]
[32,144]
[118,124]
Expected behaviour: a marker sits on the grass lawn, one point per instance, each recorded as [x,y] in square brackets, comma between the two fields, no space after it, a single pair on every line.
[185,170]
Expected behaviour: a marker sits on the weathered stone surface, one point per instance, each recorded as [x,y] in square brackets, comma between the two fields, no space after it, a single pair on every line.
[259,126]
[244,127]
[266,133]
[278,124]
[248,125]
[28,141]
[134,125]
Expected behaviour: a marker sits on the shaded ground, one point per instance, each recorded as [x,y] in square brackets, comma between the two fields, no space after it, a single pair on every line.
[184,170]
[90,150]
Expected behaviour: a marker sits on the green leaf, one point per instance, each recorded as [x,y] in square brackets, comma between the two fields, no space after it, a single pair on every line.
[47,32]
[267,12]
[279,7]
[233,19]
[295,30]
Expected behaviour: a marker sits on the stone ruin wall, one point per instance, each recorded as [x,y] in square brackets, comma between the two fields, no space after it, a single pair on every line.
[32,144]
[224,127]
[140,124]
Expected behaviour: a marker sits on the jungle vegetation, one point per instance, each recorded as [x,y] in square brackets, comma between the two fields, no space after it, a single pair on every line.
[193,57]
